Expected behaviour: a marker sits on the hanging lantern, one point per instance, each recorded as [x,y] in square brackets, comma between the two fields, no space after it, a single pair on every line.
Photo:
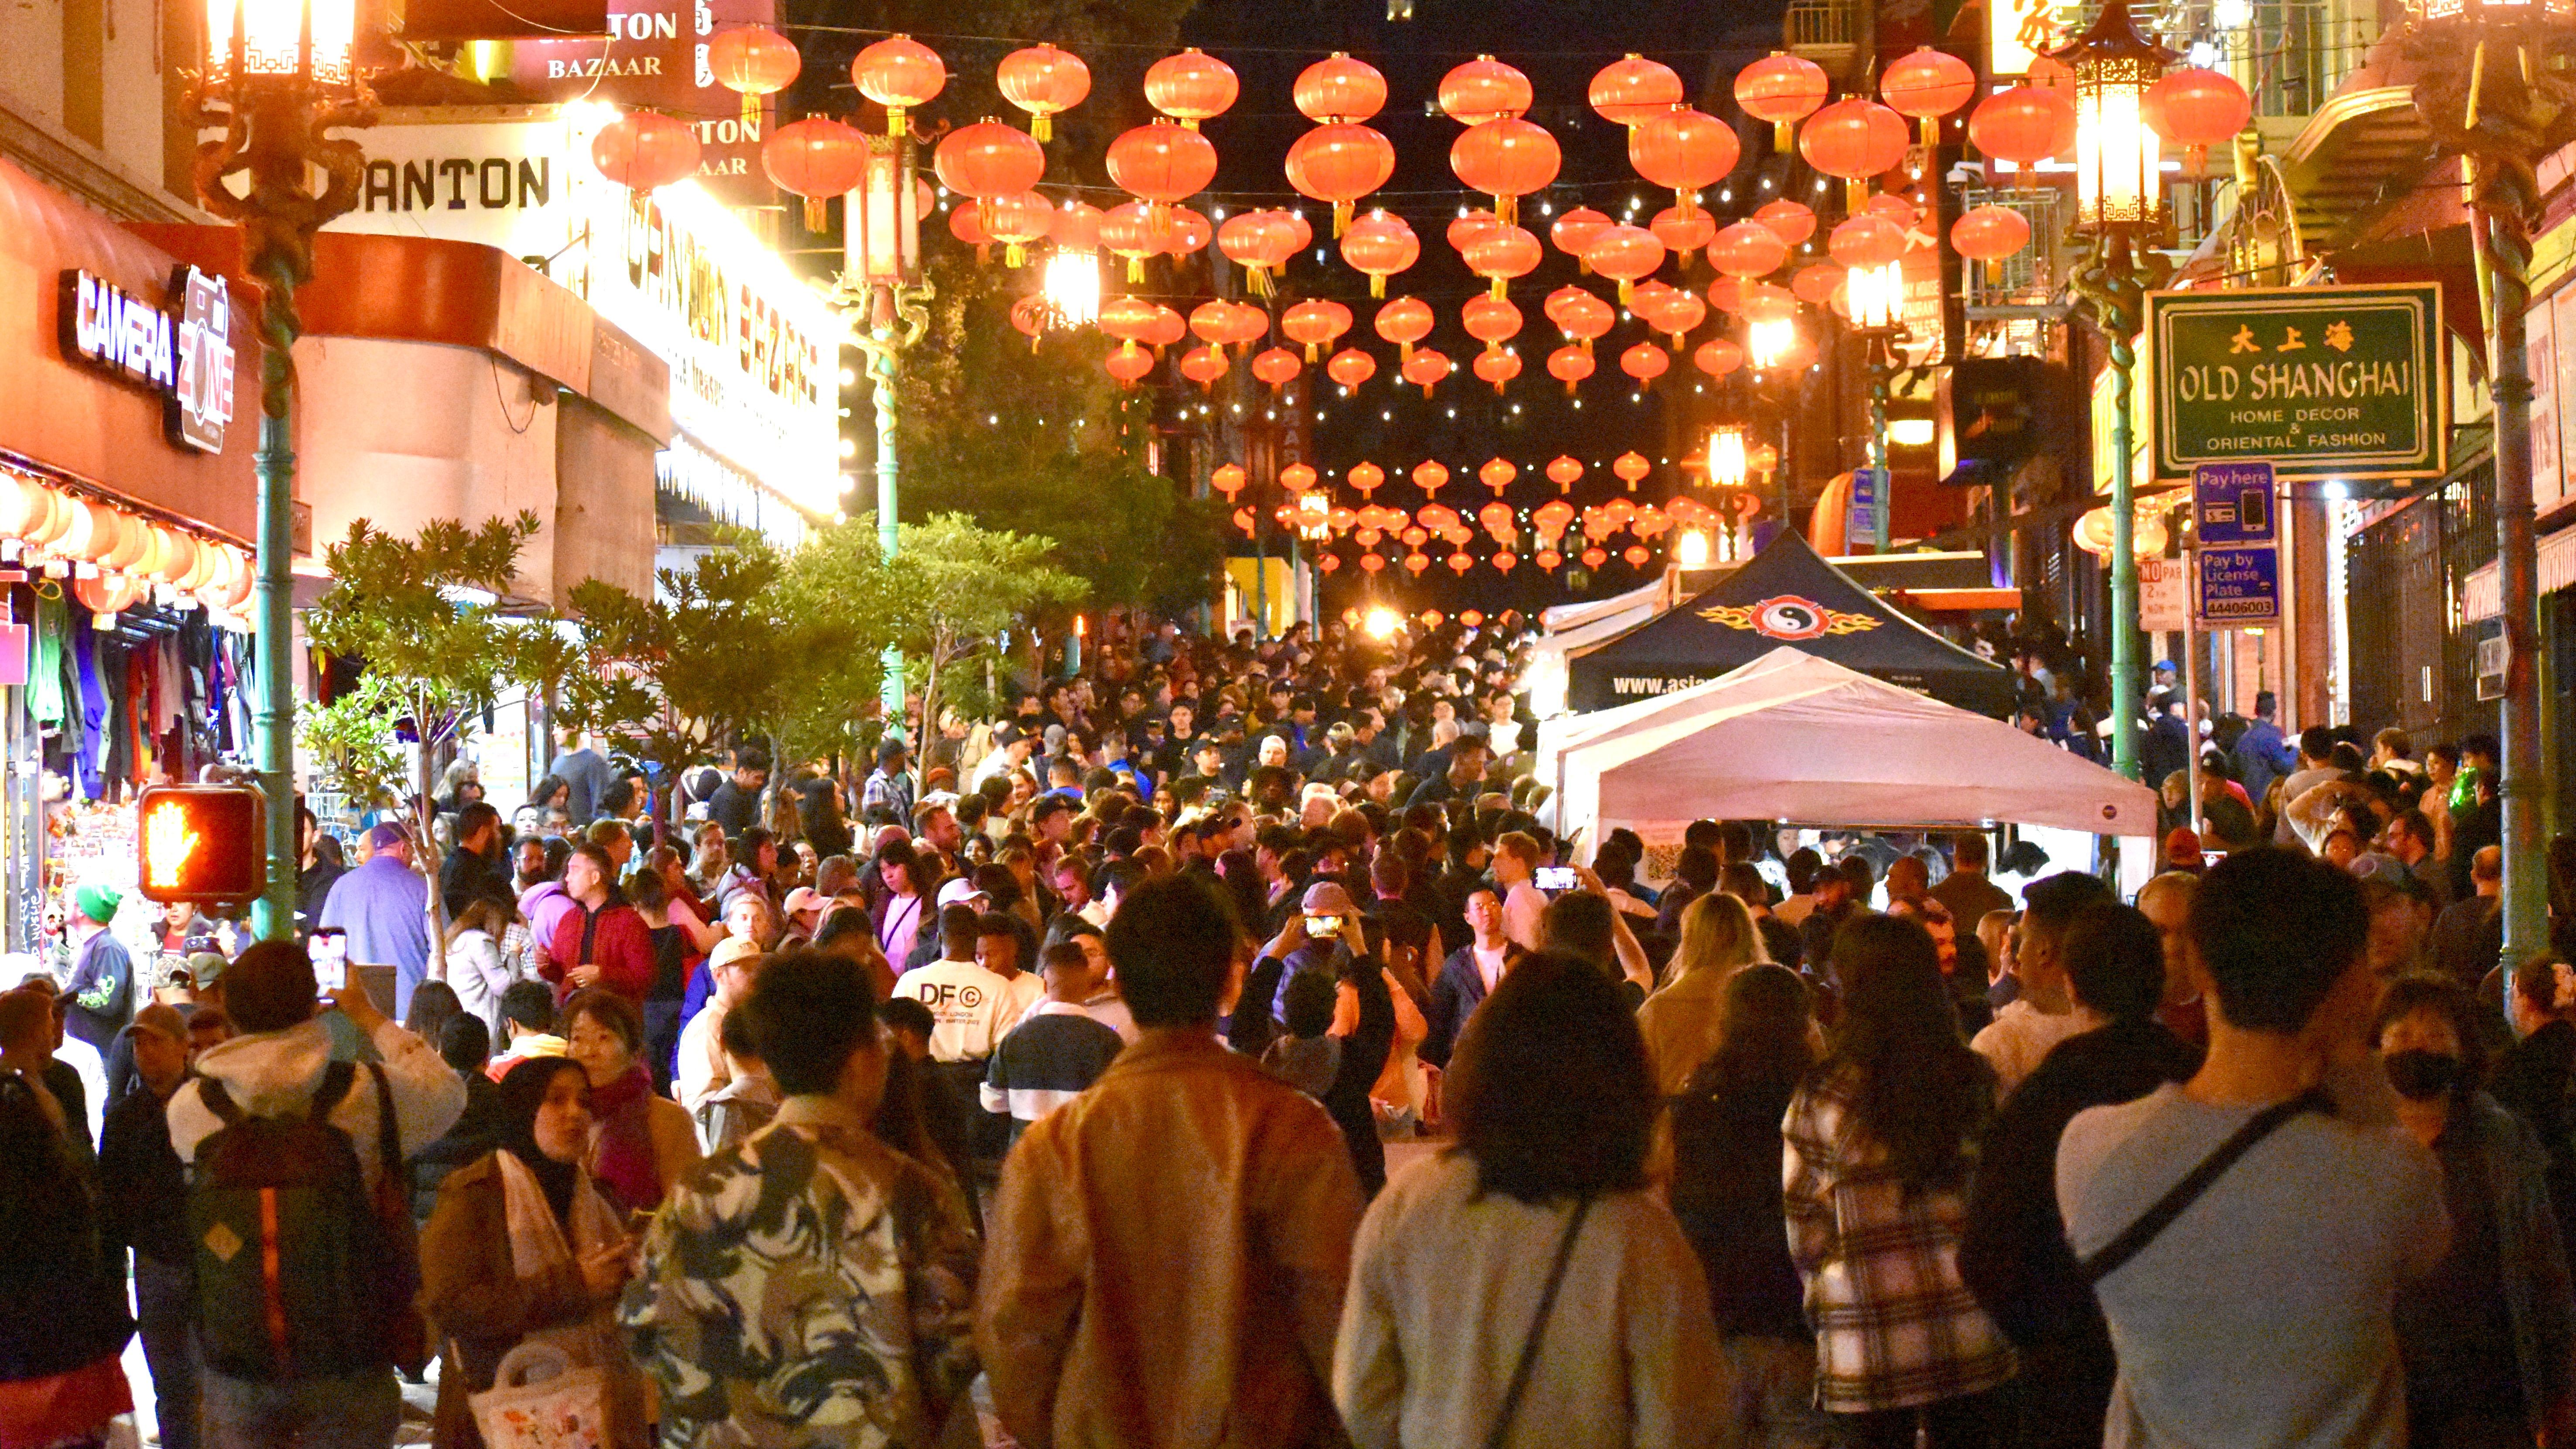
[1277,366]
[966,223]
[1631,468]
[1855,140]
[1190,232]
[2196,109]
[131,537]
[1425,368]
[1497,474]
[1077,227]
[1792,222]
[1581,316]
[106,594]
[1682,151]
[1228,479]
[29,511]
[1316,323]
[1763,302]
[1898,210]
[1190,87]
[1569,364]
[1340,163]
[1637,555]
[899,73]
[1502,254]
[817,158]
[1634,89]
[1783,89]
[1547,559]
[1866,241]
[1367,478]
[1483,90]
[1127,318]
[1204,364]
[1261,242]
[1298,478]
[1491,320]
[1717,357]
[1338,88]
[1404,322]
[1028,318]
[1595,557]
[1161,163]
[754,61]
[1329,562]
[1818,283]
[1927,84]
[1381,246]
[1564,472]
[1748,249]
[1460,562]
[1497,366]
[1127,230]
[1350,367]
[2023,126]
[1129,363]
[1683,232]
[1627,255]
[1507,159]
[1989,234]
[1045,82]
[1645,362]
[1675,313]
[645,150]
[1468,226]
[1575,232]
[1726,294]
[988,159]
[1018,222]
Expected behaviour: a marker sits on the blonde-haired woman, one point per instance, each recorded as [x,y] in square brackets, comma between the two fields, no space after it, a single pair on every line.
[1681,1020]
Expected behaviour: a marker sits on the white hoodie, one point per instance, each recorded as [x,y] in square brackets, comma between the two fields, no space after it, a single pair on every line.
[275,1073]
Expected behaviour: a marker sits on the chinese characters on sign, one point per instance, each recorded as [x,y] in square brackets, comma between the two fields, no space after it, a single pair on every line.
[2341,382]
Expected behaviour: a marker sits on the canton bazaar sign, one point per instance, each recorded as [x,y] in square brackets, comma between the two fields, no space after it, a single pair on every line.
[2320,382]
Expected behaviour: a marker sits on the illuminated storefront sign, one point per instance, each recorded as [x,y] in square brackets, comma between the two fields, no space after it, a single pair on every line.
[186,356]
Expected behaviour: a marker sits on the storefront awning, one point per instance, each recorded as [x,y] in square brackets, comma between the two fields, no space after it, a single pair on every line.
[2480,593]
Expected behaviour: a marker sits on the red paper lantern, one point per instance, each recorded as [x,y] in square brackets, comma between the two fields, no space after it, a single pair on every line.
[818,158]
[755,61]
[1371,562]
[1564,472]
[1340,163]
[1161,163]
[1792,222]
[1683,231]
[1431,476]
[1575,232]
[1783,89]
[1584,318]
[1213,321]
[1168,328]
[1482,90]
[1895,208]
[1683,150]
[1017,222]
[1044,82]
[1630,468]
[1634,89]
[1645,362]
[1296,477]
[1548,559]
[1077,227]
[966,223]
[1315,322]
[1819,283]
[1380,245]
[1502,254]
[1677,312]
[1261,242]
[1763,302]
[1204,364]
[1569,365]
[1726,294]
[1190,232]
[988,159]
[1855,140]
[1127,230]
[899,73]
[2023,126]
[1626,254]
[2196,109]
[1350,367]
[1637,555]
[1425,368]
[1460,562]
[1491,320]
[1497,366]
[1866,241]
[1190,87]
[1329,562]
[1127,318]
[1989,234]
[1506,158]
[1748,249]
[1228,479]
[1927,84]
[1469,226]
[1504,562]
[1128,363]
[1338,88]
[1717,357]
[645,150]
[1277,366]
[1404,322]
[1497,474]
[1367,477]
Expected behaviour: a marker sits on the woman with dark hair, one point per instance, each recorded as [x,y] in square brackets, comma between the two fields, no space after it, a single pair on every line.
[1726,1192]
[433,1005]
[640,1143]
[904,910]
[2487,1336]
[1446,1333]
[522,1246]
[1240,871]
[551,793]
[1879,1144]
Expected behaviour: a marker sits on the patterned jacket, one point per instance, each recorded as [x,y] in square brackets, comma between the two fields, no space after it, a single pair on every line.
[1895,1324]
[811,1287]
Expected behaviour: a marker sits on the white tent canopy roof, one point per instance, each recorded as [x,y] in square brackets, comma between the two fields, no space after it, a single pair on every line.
[1797,738]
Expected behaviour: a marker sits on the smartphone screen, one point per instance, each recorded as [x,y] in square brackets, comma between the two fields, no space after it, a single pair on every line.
[1556,878]
[1323,925]
[330,953]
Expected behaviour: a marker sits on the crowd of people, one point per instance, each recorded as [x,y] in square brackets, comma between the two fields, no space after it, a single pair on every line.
[1223,1048]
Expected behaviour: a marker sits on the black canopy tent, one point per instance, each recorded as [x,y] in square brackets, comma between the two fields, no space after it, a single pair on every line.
[1783,595]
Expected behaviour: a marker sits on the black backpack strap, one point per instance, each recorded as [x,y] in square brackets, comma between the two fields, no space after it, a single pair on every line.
[2179,1198]
[336,1081]
[388,1139]
[218,1101]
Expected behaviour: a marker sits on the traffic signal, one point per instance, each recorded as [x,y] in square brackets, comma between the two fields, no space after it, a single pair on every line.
[206,844]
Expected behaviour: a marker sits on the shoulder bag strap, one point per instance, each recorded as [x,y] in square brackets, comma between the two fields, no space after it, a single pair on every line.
[218,1101]
[2179,1198]
[1538,1328]
[336,1079]
[388,1138]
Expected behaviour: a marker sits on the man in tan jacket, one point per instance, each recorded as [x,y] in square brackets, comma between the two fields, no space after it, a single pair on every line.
[1165,1260]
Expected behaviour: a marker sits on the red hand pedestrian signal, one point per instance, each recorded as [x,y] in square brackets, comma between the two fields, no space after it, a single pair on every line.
[205,844]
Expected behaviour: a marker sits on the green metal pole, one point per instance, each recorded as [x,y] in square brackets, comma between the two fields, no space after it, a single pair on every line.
[2124,562]
[2504,259]
[1881,517]
[885,369]
[273,599]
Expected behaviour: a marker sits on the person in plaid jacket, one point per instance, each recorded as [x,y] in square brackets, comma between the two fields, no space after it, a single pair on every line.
[1878,1148]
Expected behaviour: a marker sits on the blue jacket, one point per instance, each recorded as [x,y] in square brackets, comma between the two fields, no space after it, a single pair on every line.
[1454,998]
[2261,753]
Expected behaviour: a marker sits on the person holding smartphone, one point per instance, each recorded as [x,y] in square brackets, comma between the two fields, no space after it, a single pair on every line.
[1327,934]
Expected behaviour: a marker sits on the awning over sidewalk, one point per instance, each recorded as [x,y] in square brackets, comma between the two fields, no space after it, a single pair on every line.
[2481,593]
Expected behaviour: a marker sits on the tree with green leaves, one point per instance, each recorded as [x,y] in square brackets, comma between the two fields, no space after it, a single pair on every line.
[425,618]
[955,586]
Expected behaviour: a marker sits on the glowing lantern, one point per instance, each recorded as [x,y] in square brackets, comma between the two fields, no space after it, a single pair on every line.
[1763,302]
[1504,562]
[1430,476]
[1634,89]
[988,159]
[645,150]
[1636,554]
[1044,82]
[1594,558]
[2196,109]
[1204,364]
[1190,87]
[1297,477]
[2024,126]
[1261,242]
[1482,90]
[1575,232]
[1507,159]
[753,61]
[1414,563]
[1631,468]
[899,73]
[1016,222]
[1866,241]
[1783,89]
[1564,472]
[1367,477]
[1277,366]
[1792,222]
[966,223]
[1676,313]
[1818,283]
[1683,150]
[1855,140]
[1548,559]
[1497,366]
[1726,294]
[1491,320]
[1683,232]
[1470,225]
[1404,322]
[1077,227]
[1129,363]
[1927,84]
[1329,562]
[1460,562]
[1497,474]
[1338,88]
[1645,362]
[1581,316]
[1502,254]
[1350,367]
[1626,254]
[1228,479]
[1315,322]
[1340,163]
[1127,230]
[1989,234]
[1717,357]
[1161,163]
[1425,368]
[1380,245]
[1190,231]
[1028,315]
[1748,249]
[1569,365]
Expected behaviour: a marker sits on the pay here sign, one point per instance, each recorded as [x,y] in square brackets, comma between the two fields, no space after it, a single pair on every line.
[2321,382]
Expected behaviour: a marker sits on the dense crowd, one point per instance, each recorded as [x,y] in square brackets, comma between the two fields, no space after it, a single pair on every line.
[1221,1048]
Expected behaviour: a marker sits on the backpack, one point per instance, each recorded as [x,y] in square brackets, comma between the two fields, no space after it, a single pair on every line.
[289,1248]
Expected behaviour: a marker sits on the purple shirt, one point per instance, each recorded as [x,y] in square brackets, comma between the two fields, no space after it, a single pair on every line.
[545,905]
[381,905]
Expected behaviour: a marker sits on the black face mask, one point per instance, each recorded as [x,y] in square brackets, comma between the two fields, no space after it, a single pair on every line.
[2421,1076]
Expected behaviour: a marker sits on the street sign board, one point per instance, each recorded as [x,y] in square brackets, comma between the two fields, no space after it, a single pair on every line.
[2323,382]
[2240,585]
[2232,503]
[2164,595]
[1860,524]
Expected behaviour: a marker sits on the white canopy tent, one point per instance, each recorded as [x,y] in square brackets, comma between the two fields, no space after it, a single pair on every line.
[1791,737]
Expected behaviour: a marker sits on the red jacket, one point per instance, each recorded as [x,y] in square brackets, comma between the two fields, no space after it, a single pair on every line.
[621,946]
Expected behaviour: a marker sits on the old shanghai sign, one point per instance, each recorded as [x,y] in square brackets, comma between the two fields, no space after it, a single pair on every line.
[2320,382]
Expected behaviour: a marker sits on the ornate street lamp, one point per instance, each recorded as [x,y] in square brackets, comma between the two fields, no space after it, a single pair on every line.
[1876,297]
[2492,85]
[1768,343]
[1726,456]
[279,77]
[886,303]
[2119,204]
